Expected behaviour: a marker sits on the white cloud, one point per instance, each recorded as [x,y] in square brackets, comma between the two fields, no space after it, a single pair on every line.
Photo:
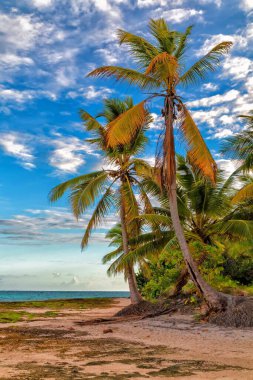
[178,15]
[14,98]
[210,116]
[216,99]
[221,133]
[210,86]
[249,84]
[91,93]
[237,67]
[13,95]
[9,59]
[158,122]
[18,32]
[246,5]
[239,42]
[216,2]
[41,3]
[18,146]
[68,155]
[162,3]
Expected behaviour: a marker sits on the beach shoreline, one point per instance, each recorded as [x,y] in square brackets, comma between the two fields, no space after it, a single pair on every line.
[67,344]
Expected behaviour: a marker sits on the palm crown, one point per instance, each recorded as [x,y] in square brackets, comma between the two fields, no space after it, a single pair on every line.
[101,188]
[161,68]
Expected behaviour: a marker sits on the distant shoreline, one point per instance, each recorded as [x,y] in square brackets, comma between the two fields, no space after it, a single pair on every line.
[44,295]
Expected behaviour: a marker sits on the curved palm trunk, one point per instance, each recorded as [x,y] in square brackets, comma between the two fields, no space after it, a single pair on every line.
[184,275]
[130,274]
[214,299]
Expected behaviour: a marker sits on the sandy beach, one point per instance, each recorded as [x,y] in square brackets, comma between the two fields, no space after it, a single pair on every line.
[69,345]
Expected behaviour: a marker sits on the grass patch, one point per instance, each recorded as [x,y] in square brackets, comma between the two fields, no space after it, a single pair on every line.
[19,316]
[11,316]
[73,304]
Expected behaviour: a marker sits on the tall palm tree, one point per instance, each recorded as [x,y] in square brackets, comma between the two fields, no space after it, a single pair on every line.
[161,68]
[113,188]
[240,147]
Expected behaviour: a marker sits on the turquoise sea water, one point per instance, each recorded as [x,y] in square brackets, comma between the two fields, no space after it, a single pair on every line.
[11,296]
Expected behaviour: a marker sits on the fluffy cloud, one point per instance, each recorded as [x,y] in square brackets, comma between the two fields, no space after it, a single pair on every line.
[41,4]
[14,98]
[216,99]
[246,5]
[91,93]
[210,86]
[158,122]
[18,146]
[161,3]
[239,42]
[221,133]
[68,154]
[237,67]
[178,15]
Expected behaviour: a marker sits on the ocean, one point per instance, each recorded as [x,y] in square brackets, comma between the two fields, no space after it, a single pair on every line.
[12,296]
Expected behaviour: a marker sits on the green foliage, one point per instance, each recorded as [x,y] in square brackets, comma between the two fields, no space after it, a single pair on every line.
[223,270]
[164,270]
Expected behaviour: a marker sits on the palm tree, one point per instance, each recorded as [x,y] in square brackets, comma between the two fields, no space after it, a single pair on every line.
[162,69]
[206,212]
[113,188]
[240,147]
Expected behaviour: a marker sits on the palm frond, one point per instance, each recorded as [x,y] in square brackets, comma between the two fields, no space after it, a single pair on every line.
[166,38]
[112,255]
[164,67]
[59,190]
[103,207]
[90,122]
[123,74]
[243,194]
[240,228]
[142,50]
[122,130]
[208,63]
[198,152]
[183,39]
[84,195]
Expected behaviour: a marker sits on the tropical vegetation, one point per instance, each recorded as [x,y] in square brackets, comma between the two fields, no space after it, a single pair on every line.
[180,222]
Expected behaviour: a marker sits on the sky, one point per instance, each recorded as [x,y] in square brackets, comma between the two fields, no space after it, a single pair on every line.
[47,47]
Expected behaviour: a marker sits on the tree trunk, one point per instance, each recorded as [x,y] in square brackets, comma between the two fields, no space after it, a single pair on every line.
[183,277]
[214,299]
[130,274]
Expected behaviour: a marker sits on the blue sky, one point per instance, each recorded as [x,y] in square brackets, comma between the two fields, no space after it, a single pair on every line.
[46,49]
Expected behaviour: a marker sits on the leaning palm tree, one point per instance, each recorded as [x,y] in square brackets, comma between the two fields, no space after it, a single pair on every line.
[161,68]
[206,212]
[113,188]
[240,147]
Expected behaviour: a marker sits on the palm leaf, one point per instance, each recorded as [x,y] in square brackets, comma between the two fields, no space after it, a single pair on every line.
[166,39]
[141,49]
[198,153]
[163,67]
[131,76]
[102,208]
[125,126]
[239,228]
[84,195]
[90,122]
[208,63]
[183,43]
[59,190]
[243,194]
